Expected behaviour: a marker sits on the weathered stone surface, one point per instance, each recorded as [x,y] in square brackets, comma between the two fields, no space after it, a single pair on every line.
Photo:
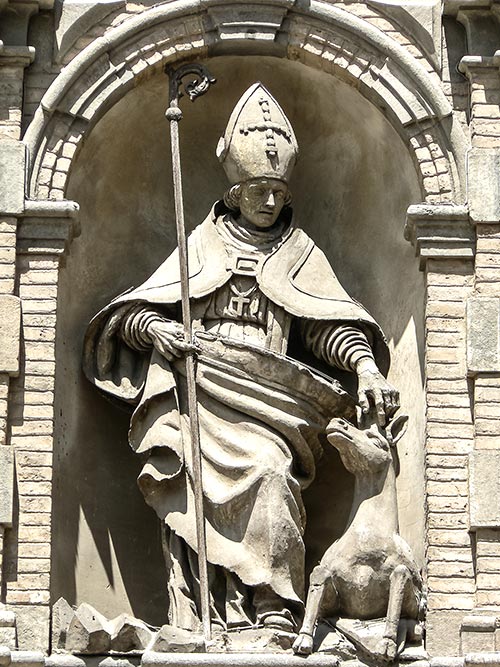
[330,641]
[483,334]
[7,639]
[177,640]
[477,634]
[10,323]
[129,634]
[154,659]
[7,618]
[62,615]
[484,167]
[76,17]
[33,621]
[440,232]
[367,636]
[443,631]
[6,486]
[484,485]
[12,176]
[5,652]
[87,632]
[250,640]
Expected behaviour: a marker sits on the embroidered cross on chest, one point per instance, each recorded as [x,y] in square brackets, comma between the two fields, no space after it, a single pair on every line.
[268,126]
[239,300]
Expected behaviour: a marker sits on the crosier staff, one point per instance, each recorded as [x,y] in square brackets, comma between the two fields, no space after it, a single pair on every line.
[195,88]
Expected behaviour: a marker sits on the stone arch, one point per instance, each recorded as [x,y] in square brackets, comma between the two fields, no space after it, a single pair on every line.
[320,35]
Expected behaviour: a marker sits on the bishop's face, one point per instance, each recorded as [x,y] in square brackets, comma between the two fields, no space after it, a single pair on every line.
[261,201]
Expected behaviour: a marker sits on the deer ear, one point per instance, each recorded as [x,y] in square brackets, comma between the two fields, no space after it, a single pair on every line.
[397,428]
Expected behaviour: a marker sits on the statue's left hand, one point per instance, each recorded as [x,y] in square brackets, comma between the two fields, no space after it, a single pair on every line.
[375,392]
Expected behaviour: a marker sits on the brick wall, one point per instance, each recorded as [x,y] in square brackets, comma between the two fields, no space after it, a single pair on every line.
[450,438]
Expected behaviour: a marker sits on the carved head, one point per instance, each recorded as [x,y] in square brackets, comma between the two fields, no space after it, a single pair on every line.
[259,141]
[259,200]
[365,451]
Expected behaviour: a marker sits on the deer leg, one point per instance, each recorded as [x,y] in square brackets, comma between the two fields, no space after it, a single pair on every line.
[304,642]
[400,578]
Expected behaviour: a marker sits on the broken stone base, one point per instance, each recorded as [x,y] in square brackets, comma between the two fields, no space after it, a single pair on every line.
[367,636]
[176,640]
[84,631]
[251,640]
[329,641]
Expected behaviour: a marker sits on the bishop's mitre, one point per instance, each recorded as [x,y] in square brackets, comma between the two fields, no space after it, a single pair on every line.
[259,141]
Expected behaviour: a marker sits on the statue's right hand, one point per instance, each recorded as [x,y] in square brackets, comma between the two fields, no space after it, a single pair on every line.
[168,338]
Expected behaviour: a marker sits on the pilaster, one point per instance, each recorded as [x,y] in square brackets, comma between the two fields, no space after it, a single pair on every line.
[444,240]
[44,231]
[13,61]
[483,347]
[15,56]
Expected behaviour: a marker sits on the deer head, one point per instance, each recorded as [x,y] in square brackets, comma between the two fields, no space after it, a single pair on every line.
[365,451]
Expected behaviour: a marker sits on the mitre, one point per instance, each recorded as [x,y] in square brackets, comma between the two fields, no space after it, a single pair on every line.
[259,141]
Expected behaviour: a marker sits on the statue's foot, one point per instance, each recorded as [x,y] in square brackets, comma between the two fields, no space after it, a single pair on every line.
[303,645]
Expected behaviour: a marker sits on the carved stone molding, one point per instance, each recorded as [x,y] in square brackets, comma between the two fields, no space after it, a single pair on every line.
[47,227]
[469,65]
[16,56]
[440,232]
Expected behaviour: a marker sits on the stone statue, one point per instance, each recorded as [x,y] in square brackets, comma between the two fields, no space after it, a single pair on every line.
[369,573]
[256,281]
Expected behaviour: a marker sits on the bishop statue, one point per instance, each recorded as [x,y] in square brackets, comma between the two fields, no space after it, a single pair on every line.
[255,280]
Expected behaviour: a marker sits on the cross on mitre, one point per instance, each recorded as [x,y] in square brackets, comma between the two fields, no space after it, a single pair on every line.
[269,127]
[259,141]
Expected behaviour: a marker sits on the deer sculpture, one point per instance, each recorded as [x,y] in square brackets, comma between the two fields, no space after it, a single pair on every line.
[368,573]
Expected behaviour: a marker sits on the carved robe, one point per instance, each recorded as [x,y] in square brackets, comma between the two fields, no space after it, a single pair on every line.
[262,414]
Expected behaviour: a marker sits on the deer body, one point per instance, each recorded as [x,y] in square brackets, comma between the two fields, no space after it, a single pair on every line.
[370,571]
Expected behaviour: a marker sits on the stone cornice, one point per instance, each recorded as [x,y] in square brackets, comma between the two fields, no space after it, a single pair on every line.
[47,227]
[20,56]
[440,232]
[474,64]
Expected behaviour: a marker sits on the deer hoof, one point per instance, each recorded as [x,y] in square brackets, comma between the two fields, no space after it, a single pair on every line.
[303,645]
[387,649]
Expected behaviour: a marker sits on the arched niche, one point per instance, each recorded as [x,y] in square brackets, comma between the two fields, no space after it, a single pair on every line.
[351,188]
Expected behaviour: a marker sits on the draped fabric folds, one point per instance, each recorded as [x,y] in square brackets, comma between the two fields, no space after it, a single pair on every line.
[262,419]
